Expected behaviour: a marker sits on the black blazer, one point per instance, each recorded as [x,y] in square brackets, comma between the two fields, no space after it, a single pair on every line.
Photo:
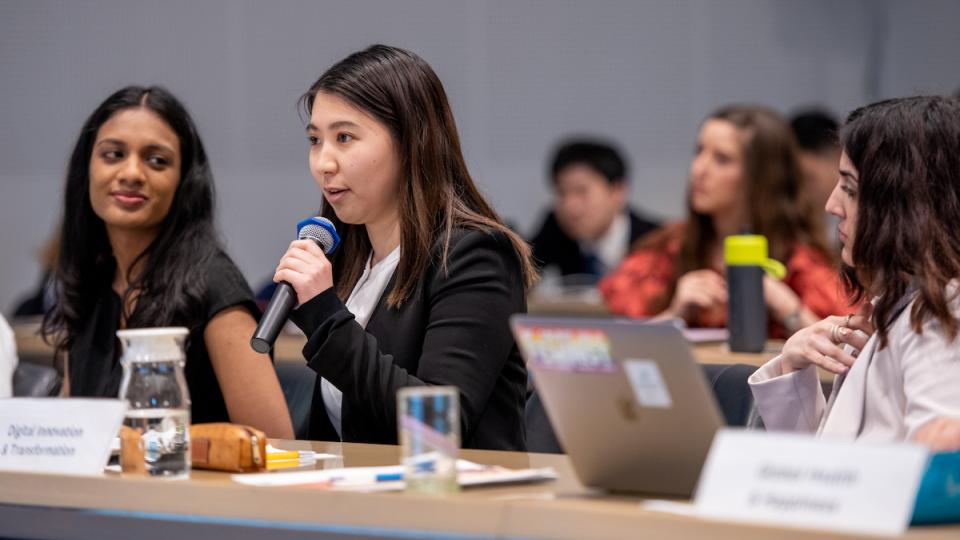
[552,246]
[452,330]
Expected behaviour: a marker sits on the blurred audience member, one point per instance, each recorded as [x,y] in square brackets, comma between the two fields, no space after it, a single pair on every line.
[41,299]
[744,178]
[819,152]
[590,228]
[819,156]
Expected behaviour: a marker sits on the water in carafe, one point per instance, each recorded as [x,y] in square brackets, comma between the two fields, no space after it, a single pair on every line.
[158,400]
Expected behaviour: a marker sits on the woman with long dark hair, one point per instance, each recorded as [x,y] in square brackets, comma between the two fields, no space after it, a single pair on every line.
[138,249]
[744,177]
[420,291]
[897,362]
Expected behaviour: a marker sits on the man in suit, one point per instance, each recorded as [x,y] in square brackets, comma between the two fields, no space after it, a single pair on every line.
[590,229]
[819,154]
[819,151]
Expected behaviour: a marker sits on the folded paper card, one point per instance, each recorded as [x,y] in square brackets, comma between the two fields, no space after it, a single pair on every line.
[803,481]
[69,436]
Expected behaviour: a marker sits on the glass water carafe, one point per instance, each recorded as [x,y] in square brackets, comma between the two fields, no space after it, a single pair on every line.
[158,400]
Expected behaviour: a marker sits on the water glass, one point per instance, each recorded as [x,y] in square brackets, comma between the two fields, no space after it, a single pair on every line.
[428,418]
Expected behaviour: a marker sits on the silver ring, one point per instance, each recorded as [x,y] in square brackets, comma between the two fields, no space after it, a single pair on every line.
[846,320]
[835,333]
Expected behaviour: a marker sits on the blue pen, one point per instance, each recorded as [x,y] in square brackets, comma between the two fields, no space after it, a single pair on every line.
[362,479]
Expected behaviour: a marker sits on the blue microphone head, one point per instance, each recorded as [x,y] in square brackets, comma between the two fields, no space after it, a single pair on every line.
[321,231]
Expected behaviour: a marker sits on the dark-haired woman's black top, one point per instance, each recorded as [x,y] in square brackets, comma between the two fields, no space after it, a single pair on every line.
[95,369]
[452,330]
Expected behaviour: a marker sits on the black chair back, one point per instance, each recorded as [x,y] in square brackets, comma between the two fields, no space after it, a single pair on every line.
[730,387]
[35,380]
[297,382]
[540,434]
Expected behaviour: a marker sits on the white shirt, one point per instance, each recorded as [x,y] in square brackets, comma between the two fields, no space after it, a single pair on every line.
[612,247]
[8,358]
[362,301]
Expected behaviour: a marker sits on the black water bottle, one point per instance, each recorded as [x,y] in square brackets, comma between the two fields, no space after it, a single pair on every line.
[746,258]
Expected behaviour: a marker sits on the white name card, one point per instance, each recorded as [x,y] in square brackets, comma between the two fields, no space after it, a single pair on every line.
[798,480]
[70,436]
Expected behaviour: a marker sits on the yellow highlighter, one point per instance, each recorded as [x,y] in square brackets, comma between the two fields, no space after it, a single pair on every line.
[286,464]
[282,455]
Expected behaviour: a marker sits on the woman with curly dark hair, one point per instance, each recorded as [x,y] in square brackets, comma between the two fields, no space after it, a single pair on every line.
[897,363]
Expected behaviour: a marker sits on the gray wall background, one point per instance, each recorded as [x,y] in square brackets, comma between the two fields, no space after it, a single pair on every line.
[520,74]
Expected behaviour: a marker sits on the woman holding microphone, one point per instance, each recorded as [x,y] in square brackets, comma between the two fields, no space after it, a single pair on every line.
[420,291]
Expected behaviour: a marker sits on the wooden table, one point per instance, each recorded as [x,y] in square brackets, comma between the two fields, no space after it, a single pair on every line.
[719,353]
[289,346]
[210,505]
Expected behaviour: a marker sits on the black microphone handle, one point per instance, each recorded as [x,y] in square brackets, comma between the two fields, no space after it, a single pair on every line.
[274,317]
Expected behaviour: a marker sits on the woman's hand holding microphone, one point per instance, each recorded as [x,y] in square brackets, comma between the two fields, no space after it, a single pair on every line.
[306,268]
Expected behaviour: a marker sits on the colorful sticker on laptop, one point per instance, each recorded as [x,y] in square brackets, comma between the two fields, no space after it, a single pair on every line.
[647,383]
[568,349]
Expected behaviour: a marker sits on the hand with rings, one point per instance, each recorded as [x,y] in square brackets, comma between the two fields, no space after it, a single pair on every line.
[823,343]
[836,333]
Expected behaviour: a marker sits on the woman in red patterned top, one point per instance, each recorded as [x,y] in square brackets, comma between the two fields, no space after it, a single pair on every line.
[744,177]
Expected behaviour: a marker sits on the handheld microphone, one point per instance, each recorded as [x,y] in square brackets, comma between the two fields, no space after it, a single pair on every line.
[284,298]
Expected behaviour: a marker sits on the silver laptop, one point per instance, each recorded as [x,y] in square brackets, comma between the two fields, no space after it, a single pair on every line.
[626,399]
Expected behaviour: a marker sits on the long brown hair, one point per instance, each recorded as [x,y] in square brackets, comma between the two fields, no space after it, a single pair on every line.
[907,154]
[437,194]
[778,205]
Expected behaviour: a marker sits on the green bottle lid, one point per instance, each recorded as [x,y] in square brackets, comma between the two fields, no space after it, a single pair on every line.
[751,250]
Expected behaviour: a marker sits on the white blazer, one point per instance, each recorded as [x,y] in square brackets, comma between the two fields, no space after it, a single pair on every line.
[887,395]
[8,358]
